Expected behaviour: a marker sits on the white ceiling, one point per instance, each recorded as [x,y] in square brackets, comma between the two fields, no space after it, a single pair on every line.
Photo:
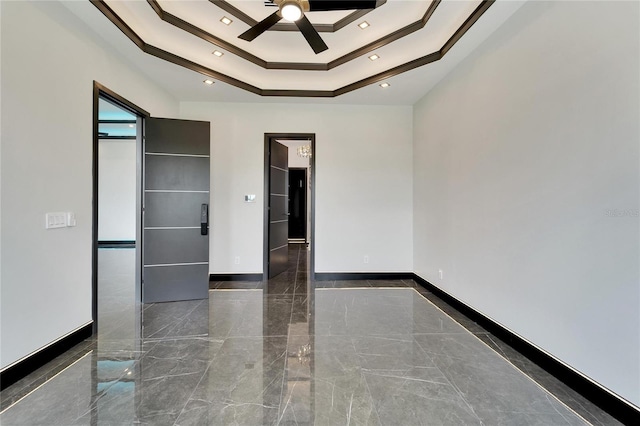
[290,47]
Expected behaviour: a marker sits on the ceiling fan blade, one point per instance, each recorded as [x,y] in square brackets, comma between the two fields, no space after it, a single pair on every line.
[261,27]
[325,5]
[310,33]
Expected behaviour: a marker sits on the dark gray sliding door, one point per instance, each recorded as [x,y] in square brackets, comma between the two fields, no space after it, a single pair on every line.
[175,211]
[278,208]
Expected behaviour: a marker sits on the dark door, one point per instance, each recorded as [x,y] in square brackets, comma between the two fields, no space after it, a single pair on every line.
[175,211]
[278,208]
[298,204]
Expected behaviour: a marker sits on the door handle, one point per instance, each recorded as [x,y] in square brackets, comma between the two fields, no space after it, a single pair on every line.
[204,219]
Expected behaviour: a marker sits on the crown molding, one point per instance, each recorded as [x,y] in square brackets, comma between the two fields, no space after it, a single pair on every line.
[292,66]
[178,60]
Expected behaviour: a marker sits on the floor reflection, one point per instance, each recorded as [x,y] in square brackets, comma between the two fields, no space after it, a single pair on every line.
[286,352]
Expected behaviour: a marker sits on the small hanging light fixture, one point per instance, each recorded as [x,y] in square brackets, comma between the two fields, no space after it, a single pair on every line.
[304,151]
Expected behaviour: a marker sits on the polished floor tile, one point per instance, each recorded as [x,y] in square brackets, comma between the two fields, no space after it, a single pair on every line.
[289,351]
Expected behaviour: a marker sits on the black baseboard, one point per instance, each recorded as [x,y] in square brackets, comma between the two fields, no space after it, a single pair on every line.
[17,371]
[235,277]
[116,244]
[608,402]
[349,276]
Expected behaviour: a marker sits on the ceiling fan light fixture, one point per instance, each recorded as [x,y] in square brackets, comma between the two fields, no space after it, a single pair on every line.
[291,11]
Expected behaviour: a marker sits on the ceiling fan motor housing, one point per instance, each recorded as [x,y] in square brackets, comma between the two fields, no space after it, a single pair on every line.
[302,4]
[299,7]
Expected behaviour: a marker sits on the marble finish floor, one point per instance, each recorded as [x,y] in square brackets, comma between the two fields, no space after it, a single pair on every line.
[289,351]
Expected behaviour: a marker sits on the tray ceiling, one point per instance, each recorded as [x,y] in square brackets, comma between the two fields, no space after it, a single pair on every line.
[404,34]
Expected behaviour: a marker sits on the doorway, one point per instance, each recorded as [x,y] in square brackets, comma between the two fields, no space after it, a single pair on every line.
[171,203]
[282,150]
[117,217]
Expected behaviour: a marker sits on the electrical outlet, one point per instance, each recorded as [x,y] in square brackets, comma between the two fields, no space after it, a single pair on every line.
[366,259]
[440,273]
[237,261]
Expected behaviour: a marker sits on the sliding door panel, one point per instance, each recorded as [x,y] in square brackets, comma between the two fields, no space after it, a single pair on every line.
[173,208]
[175,239]
[278,208]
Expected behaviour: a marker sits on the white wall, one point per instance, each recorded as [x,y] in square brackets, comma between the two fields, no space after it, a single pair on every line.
[117,190]
[363,187]
[49,62]
[519,157]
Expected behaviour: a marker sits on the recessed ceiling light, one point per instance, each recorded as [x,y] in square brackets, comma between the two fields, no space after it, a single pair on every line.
[374,57]
[363,25]
[384,85]
[208,82]
[226,20]
[217,53]
[132,125]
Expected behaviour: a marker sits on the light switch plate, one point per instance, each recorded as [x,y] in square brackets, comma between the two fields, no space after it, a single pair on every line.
[71,219]
[250,198]
[55,220]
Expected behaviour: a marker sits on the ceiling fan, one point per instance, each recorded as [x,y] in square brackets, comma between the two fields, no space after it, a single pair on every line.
[294,11]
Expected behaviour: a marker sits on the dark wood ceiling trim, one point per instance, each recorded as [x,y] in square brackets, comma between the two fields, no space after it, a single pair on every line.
[235,12]
[300,93]
[168,56]
[122,26]
[376,44]
[416,63]
[156,7]
[292,66]
[178,60]
[389,38]
[198,32]
[299,66]
[468,23]
[352,17]
[432,8]
[321,28]
[392,72]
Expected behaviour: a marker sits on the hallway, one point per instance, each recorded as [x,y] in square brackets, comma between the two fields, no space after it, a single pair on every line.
[287,352]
